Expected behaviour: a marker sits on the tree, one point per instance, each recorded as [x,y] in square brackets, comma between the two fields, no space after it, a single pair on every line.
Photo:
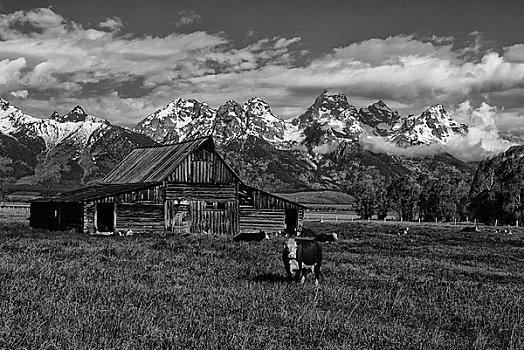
[368,187]
[444,196]
[404,197]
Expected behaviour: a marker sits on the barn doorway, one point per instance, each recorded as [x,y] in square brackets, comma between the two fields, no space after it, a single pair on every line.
[105,217]
[291,221]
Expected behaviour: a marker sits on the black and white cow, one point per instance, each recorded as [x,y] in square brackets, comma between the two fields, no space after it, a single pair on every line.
[300,256]
[251,236]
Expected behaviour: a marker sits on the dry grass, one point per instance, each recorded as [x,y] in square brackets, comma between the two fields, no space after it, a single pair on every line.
[435,289]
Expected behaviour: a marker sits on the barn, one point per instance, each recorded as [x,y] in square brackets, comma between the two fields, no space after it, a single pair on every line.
[185,187]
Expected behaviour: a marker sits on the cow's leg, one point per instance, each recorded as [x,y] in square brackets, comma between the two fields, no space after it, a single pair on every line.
[316,269]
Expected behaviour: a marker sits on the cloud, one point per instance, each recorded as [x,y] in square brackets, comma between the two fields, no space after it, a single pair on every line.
[21,94]
[187,18]
[49,55]
[10,70]
[114,24]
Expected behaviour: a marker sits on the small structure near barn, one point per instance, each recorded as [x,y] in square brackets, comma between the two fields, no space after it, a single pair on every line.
[179,188]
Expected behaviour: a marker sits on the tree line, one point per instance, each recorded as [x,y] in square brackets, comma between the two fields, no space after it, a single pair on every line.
[441,195]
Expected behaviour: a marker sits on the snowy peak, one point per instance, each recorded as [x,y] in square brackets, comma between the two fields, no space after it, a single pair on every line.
[168,123]
[329,121]
[379,116]
[259,120]
[434,125]
[183,119]
[76,115]
[229,111]
[326,108]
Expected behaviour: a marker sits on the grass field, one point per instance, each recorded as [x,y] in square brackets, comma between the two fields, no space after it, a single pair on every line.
[434,289]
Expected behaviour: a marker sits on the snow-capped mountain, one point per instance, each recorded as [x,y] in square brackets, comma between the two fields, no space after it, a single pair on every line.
[75,147]
[184,119]
[434,125]
[314,150]
[330,122]
[379,117]
[177,120]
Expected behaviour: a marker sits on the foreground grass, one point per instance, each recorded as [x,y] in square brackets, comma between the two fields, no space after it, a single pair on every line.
[435,289]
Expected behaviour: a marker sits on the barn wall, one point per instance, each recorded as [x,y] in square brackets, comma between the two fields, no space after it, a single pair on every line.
[89,217]
[202,167]
[201,209]
[141,211]
[269,220]
[140,217]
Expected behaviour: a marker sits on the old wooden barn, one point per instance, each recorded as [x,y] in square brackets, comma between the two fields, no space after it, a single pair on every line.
[180,188]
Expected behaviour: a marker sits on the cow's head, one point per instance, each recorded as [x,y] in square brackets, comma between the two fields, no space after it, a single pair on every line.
[291,247]
[335,236]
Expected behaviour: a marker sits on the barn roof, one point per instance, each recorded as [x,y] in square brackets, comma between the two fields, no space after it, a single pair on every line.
[92,193]
[154,164]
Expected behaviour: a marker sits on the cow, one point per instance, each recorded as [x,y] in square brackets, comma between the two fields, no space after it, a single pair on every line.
[300,256]
[251,236]
[323,237]
[470,229]
[404,232]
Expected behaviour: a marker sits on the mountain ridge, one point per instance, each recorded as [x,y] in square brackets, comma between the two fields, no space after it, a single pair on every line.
[314,150]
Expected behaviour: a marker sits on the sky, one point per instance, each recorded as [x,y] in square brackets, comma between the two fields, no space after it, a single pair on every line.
[124,59]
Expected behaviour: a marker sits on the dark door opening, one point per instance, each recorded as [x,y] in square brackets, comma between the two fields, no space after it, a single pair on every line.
[291,221]
[105,217]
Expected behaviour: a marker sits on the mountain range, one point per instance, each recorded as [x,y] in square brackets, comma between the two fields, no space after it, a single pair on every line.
[318,149]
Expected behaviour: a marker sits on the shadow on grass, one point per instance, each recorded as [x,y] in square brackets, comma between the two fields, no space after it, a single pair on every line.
[271,277]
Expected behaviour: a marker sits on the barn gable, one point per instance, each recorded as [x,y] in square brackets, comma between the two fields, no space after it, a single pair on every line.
[194,161]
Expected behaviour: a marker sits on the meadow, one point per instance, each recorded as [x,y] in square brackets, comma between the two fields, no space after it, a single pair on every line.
[437,288]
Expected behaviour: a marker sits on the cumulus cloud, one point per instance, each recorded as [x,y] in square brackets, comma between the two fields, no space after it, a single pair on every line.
[187,17]
[113,24]
[21,94]
[46,54]
[10,70]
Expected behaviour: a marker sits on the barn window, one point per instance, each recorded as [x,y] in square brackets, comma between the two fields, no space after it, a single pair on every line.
[221,206]
[210,205]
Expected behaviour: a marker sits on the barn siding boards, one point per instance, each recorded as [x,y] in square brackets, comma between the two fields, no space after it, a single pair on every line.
[206,193]
[202,167]
[255,220]
[89,218]
[140,218]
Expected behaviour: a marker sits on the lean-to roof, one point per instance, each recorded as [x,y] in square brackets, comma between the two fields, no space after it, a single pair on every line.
[93,192]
